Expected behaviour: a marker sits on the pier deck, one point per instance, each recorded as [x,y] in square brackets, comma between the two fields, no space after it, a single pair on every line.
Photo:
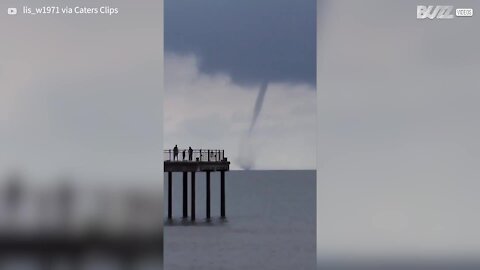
[196,166]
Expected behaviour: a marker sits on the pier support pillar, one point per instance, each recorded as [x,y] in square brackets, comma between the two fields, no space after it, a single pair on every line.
[208,195]
[170,195]
[46,261]
[193,196]
[222,194]
[185,195]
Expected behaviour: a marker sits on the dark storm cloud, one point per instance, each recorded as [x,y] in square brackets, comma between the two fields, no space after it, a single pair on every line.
[251,40]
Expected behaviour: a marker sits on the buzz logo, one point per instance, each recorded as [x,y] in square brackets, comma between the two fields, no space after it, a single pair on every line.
[435,12]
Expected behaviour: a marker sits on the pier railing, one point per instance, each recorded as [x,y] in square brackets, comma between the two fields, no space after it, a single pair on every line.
[204,155]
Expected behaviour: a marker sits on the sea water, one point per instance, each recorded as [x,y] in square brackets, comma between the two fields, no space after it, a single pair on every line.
[270,223]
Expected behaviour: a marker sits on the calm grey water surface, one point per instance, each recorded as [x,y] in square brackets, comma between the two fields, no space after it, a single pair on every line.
[270,223]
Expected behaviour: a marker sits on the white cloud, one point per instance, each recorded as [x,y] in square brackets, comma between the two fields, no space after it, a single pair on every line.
[83,96]
[398,134]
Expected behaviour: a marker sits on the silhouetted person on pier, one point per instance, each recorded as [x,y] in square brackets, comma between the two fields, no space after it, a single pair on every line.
[183,155]
[175,153]
[66,200]
[190,153]
[14,195]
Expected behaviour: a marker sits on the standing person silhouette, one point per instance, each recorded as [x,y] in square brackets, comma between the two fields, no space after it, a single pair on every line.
[183,155]
[190,153]
[175,153]
[13,197]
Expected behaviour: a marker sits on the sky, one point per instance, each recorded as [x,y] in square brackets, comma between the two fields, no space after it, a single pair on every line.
[218,54]
[398,131]
[81,96]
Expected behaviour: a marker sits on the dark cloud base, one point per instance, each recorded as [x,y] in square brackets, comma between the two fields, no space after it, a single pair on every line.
[251,40]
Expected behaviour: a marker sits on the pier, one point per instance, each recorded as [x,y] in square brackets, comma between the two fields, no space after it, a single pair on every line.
[190,162]
[124,225]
